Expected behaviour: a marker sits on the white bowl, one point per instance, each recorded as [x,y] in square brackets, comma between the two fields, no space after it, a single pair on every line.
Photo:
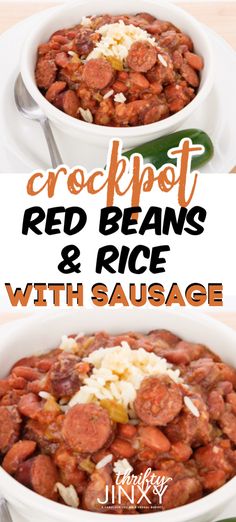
[39,334]
[70,14]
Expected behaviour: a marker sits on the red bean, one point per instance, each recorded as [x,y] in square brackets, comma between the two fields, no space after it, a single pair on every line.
[122,448]
[19,452]
[154,438]
[194,61]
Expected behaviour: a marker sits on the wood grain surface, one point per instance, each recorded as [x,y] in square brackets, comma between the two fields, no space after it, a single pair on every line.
[220,16]
[229,318]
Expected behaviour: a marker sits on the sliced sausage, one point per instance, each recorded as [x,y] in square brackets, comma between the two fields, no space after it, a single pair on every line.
[45,73]
[19,452]
[142,56]
[44,476]
[84,44]
[86,428]
[10,421]
[158,400]
[98,73]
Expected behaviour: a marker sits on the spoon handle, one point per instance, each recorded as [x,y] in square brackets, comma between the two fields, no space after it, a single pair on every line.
[4,512]
[55,156]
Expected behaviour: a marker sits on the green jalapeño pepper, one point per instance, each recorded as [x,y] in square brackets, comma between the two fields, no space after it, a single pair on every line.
[156,151]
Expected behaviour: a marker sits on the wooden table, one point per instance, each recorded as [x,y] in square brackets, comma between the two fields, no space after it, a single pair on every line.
[229,318]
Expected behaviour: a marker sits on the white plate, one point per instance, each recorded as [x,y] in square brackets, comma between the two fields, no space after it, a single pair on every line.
[23,147]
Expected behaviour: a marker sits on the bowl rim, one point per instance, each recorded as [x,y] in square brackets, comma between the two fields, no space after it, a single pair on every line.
[60,117]
[12,488]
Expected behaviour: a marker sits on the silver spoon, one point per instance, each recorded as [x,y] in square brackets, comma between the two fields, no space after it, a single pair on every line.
[4,511]
[29,108]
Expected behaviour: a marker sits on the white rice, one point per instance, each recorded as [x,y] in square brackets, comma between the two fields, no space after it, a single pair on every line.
[117,39]
[191,406]
[117,374]
[119,97]
[86,115]
[108,94]
[68,494]
[45,395]
[162,60]
[68,344]
[103,462]
[122,466]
